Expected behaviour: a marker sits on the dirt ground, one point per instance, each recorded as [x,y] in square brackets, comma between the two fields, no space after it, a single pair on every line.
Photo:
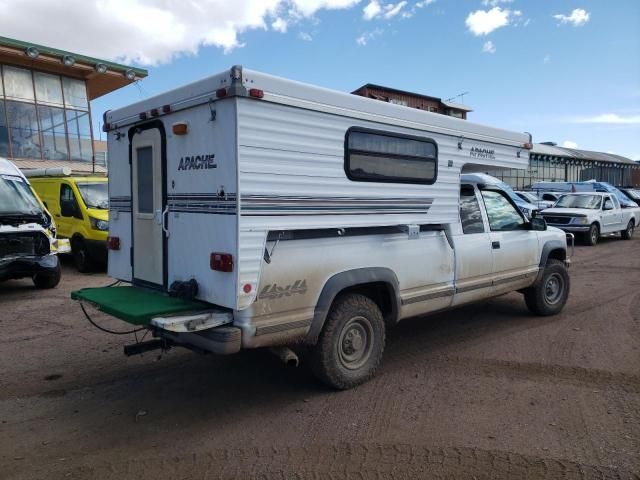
[485,391]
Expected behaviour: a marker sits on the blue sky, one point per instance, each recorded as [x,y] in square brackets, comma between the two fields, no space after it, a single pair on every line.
[571,78]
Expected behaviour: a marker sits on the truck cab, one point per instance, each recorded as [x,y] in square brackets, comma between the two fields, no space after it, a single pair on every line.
[28,244]
[79,205]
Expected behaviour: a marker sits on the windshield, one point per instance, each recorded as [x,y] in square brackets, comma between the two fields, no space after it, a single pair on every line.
[94,194]
[17,198]
[528,197]
[579,201]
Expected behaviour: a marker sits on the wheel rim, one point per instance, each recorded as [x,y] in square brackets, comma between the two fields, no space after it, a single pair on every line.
[594,234]
[356,343]
[553,288]
[630,229]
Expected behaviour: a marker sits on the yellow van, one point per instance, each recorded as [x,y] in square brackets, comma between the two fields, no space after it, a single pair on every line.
[80,207]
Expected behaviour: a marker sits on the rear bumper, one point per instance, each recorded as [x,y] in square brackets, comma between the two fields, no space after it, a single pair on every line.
[223,340]
[28,266]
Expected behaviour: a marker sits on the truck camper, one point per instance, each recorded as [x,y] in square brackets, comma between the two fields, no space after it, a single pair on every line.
[250,211]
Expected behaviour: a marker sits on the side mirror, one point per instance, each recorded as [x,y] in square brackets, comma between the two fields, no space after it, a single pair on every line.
[538,224]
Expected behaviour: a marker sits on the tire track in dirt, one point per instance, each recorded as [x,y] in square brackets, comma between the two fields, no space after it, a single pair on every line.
[340,461]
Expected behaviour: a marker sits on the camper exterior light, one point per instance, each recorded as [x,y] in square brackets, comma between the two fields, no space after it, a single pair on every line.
[221,262]
[256,93]
[113,243]
[180,128]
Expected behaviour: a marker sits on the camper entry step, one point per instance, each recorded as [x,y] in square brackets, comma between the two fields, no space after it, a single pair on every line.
[136,305]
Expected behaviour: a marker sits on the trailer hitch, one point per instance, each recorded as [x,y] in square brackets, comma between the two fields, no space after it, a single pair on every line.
[142,347]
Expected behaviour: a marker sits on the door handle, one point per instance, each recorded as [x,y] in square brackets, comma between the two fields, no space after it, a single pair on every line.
[495,245]
[165,218]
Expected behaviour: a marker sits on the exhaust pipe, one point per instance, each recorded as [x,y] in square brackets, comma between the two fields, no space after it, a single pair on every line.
[288,356]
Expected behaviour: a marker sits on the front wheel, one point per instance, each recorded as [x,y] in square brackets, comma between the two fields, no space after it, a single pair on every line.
[350,346]
[549,294]
[627,233]
[593,235]
[81,257]
[48,279]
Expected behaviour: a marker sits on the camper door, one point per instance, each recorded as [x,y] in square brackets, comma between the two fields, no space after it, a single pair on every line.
[149,206]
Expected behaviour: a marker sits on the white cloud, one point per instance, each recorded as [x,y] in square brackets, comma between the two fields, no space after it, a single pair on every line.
[372,10]
[305,36]
[577,18]
[611,118]
[489,47]
[150,32]
[280,25]
[375,10]
[493,3]
[569,144]
[424,3]
[546,59]
[366,37]
[483,22]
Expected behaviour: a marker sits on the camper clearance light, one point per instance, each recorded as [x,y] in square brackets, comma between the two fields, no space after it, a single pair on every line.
[256,93]
[221,262]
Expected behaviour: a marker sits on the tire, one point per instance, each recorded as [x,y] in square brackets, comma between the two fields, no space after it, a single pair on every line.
[593,235]
[627,233]
[351,343]
[549,294]
[81,257]
[47,280]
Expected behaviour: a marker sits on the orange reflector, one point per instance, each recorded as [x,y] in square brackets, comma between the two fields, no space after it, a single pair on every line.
[180,128]
[527,146]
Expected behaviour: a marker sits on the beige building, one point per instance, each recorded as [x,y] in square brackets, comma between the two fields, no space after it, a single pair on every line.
[45,110]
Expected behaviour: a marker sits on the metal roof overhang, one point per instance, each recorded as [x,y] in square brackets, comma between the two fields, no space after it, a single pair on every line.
[50,60]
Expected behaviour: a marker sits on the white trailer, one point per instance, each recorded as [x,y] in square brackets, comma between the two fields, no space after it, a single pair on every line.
[274,201]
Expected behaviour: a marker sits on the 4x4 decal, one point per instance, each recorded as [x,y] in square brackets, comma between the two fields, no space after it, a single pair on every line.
[273,291]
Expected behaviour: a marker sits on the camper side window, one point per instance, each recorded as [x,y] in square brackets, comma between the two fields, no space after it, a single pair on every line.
[374,156]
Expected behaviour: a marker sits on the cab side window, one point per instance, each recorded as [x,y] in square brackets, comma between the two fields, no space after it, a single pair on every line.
[502,215]
[470,213]
[68,204]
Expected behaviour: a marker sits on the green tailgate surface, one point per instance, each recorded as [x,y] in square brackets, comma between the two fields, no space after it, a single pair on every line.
[136,305]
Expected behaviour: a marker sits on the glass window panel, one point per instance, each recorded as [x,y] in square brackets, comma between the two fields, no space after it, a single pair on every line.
[48,88]
[54,138]
[470,214]
[4,132]
[23,130]
[502,215]
[379,157]
[79,131]
[18,83]
[145,179]
[75,93]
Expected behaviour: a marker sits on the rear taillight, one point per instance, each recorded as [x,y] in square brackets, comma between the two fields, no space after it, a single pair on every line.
[113,243]
[221,262]
[221,92]
[256,93]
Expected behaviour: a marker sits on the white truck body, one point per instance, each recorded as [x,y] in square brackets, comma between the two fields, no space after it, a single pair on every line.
[604,215]
[258,169]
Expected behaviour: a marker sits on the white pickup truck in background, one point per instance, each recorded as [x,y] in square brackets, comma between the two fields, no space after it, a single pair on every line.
[592,214]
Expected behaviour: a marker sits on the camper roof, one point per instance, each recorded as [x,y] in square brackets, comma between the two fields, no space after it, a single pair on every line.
[302,95]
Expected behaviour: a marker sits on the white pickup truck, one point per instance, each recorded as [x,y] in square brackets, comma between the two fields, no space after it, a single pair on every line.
[251,211]
[592,214]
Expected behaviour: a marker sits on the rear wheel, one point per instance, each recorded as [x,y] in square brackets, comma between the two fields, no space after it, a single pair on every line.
[81,256]
[549,294]
[350,346]
[627,233]
[593,235]
[47,280]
